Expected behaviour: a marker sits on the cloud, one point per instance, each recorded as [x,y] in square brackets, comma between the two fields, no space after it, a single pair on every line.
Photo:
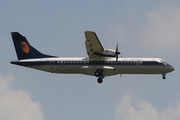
[16,104]
[162,30]
[143,110]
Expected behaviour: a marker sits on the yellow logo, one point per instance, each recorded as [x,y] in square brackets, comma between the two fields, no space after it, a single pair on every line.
[24,47]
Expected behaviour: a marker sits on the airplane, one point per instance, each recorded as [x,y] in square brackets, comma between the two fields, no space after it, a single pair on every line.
[99,63]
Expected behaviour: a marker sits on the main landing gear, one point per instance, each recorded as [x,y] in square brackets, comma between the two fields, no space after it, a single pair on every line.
[164,76]
[99,74]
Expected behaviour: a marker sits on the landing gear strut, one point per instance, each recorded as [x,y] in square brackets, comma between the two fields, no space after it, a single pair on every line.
[99,74]
[164,76]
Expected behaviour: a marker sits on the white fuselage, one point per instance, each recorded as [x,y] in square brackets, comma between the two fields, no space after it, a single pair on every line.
[89,67]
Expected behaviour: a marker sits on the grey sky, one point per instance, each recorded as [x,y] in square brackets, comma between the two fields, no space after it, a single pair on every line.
[142,29]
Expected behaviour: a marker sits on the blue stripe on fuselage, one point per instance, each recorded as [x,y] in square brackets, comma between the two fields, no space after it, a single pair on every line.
[89,63]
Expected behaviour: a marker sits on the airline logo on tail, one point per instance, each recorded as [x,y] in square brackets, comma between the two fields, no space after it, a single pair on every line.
[24,47]
[24,50]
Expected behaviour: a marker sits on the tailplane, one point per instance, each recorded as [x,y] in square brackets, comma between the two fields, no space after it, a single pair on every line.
[23,49]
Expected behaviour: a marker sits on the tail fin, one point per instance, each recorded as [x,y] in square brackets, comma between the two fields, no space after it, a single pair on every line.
[23,49]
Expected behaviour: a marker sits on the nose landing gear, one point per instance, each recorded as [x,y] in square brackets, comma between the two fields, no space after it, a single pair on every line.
[164,76]
[99,74]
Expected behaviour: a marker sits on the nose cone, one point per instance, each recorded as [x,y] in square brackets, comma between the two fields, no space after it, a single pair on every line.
[170,68]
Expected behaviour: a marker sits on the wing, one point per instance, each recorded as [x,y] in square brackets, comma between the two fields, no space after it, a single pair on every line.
[93,44]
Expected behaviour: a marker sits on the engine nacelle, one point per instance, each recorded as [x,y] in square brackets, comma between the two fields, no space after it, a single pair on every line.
[107,53]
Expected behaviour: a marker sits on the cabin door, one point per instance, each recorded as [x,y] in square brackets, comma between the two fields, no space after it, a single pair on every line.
[52,64]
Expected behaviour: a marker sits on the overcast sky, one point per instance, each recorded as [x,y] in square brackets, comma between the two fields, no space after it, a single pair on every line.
[142,29]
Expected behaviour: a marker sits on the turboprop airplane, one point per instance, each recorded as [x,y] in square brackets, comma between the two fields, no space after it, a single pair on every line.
[99,63]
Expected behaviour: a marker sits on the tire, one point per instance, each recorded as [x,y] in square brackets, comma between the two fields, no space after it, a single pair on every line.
[96,74]
[99,80]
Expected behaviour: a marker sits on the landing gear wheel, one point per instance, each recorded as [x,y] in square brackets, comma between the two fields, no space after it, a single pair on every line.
[99,80]
[164,76]
[98,73]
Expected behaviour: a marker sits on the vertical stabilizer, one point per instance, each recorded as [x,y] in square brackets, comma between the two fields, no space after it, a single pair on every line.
[23,49]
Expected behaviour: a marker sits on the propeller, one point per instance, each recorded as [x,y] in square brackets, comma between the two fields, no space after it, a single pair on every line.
[117,52]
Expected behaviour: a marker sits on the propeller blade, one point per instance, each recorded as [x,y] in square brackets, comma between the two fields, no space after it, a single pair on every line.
[117,52]
[117,47]
[116,58]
